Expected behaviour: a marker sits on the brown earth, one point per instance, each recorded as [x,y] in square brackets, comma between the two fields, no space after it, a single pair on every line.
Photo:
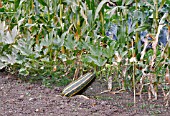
[18,98]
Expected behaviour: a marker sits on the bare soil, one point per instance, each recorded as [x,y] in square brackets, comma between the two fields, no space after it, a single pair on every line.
[19,98]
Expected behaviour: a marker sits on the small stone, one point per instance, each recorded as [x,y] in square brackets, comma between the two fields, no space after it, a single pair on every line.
[1,88]
[10,111]
[37,110]
[47,91]
[11,101]
[58,96]
[32,99]
[82,96]
[21,97]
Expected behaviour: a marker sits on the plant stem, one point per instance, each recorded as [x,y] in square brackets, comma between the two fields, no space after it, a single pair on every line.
[102,21]
[133,76]
[61,15]
[78,33]
[156,15]
[134,90]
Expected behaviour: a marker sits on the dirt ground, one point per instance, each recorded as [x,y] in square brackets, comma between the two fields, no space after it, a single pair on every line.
[18,98]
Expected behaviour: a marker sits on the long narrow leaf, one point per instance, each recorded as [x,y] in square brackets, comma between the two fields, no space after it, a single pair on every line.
[16,2]
[42,2]
[99,7]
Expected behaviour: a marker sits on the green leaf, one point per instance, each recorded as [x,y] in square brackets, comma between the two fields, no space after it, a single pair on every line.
[58,41]
[38,48]
[14,32]
[69,42]
[46,59]
[124,53]
[89,16]
[63,57]
[83,14]
[23,72]
[128,2]
[96,50]
[20,22]
[9,39]
[2,9]
[108,52]
[113,10]
[36,7]
[46,41]
[162,4]
[99,61]
[16,2]
[30,25]
[99,7]
[42,2]
[148,4]
[9,59]
[141,28]
[25,46]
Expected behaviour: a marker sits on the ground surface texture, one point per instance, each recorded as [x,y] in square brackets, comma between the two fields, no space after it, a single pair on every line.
[18,98]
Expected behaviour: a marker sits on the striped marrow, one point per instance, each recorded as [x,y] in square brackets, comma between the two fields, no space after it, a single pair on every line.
[77,85]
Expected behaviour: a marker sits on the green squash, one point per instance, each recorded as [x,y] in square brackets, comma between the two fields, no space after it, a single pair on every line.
[77,85]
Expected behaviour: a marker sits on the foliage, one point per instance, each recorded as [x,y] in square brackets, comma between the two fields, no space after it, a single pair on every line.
[60,38]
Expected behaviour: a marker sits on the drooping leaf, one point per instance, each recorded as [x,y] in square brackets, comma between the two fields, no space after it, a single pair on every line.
[99,7]
[99,61]
[113,10]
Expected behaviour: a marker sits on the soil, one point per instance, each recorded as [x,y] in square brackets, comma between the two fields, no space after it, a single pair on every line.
[20,98]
